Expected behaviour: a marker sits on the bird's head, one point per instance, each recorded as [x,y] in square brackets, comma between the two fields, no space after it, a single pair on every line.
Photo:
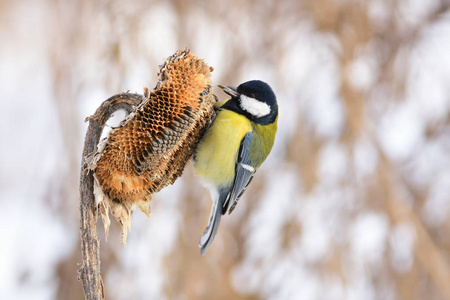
[254,99]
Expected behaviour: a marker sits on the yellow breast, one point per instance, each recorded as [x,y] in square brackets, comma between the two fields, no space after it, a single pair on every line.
[216,153]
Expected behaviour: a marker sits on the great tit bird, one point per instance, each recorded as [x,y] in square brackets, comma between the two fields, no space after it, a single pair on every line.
[235,145]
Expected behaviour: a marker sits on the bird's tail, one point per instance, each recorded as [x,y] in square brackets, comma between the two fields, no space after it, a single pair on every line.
[208,235]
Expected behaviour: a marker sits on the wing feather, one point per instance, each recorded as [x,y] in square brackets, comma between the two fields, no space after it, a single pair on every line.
[243,174]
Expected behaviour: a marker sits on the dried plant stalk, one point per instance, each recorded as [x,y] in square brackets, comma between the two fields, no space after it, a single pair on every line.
[147,152]
[89,273]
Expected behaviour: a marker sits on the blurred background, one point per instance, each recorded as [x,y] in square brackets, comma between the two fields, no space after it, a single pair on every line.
[352,203]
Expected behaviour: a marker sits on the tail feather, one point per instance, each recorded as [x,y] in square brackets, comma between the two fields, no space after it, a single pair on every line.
[210,232]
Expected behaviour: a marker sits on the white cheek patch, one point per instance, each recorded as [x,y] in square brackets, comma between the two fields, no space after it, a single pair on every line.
[254,107]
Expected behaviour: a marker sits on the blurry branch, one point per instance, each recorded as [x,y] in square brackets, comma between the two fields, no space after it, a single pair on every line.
[89,273]
[398,194]
[426,251]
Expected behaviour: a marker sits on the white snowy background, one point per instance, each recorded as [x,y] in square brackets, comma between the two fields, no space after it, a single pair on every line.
[352,203]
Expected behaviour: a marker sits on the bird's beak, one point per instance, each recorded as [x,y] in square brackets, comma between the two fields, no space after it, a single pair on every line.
[229,90]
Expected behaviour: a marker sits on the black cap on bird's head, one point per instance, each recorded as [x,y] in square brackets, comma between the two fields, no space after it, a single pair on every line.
[254,99]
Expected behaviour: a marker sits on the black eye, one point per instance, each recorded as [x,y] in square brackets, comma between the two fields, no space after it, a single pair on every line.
[252,95]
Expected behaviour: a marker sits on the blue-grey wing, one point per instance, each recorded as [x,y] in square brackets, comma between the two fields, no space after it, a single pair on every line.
[243,174]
